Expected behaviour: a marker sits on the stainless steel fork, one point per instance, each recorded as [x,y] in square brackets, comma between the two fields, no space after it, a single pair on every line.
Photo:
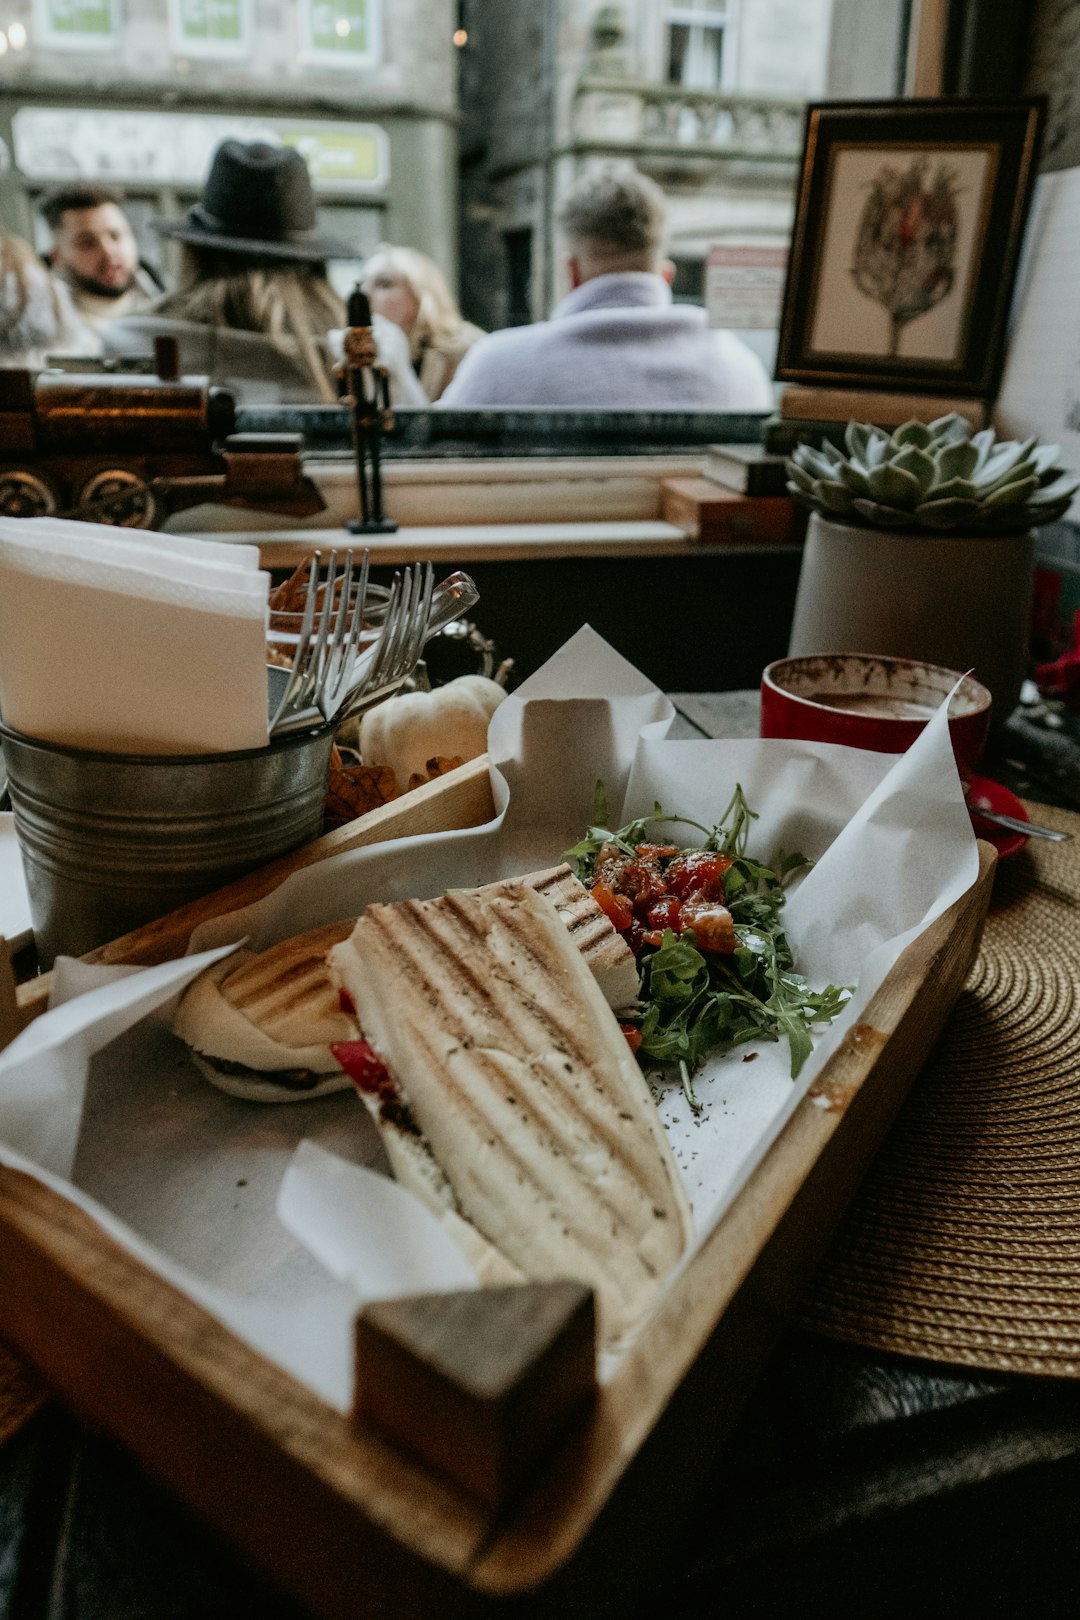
[326,642]
[399,647]
[329,670]
[293,697]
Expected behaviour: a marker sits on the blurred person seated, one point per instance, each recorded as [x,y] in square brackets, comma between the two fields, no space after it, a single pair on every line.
[37,316]
[253,308]
[616,342]
[409,289]
[94,253]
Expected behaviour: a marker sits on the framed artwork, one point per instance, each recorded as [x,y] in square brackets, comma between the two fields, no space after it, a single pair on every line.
[908,227]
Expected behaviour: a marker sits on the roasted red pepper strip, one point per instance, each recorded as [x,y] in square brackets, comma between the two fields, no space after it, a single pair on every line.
[346,1003]
[697,874]
[666,913]
[616,907]
[633,1036]
[364,1068]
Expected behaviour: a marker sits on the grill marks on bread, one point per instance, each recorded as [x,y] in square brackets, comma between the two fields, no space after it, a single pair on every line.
[286,990]
[524,1087]
[610,959]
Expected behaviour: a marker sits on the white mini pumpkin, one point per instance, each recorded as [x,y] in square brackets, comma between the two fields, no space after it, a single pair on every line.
[408,730]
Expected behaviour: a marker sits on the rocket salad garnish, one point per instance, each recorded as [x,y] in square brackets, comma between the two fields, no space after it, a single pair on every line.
[703,923]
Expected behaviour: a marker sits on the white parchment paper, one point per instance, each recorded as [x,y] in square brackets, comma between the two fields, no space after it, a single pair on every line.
[280,1219]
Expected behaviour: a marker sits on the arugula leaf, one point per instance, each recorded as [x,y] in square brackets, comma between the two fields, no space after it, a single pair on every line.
[694,1003]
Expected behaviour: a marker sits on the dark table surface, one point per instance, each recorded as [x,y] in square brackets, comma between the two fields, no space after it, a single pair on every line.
[853,1483]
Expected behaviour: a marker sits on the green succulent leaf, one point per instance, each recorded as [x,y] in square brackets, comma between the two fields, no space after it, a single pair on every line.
[913,432]
[834,496]
[814,462]
[1062,489]
[877,449]
[892,486]
[885,517]
[1017,475]
[916,462]
[956,461]
[1049,513]
[856,435]
[947,514]
[799,476]
[1011,494]
[1045,458]
[984,443]
[854,475]
[956,489]
[950,429]
[1002,465]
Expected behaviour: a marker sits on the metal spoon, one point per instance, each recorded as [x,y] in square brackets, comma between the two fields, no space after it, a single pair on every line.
[1014,824]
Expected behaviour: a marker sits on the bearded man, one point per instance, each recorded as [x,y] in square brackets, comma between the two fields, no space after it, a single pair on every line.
[93,250]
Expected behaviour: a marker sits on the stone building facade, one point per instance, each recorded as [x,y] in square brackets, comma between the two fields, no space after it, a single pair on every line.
[367,89]
[706,96]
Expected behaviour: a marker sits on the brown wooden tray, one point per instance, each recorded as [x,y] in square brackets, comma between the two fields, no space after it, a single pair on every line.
[340,1512]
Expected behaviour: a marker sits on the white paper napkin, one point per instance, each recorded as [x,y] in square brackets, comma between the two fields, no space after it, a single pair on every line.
[129,643]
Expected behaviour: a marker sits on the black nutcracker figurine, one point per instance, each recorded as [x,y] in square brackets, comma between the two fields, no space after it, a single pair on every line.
[367,394]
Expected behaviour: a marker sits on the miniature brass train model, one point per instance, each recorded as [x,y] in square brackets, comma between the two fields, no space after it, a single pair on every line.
[132,448]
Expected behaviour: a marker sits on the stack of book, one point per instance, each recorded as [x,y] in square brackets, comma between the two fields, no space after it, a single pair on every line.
[741,498]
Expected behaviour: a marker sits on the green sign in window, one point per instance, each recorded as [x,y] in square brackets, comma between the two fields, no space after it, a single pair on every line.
[337,157]
[343,29]
[210,22]
[80,19]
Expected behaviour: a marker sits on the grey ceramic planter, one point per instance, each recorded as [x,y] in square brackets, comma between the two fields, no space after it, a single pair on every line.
[959,600]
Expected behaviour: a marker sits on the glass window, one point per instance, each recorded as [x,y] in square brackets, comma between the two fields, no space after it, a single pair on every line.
[696,32]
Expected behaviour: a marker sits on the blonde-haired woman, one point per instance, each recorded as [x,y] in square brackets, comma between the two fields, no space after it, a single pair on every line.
[36,312]
[253,307]
[409,289]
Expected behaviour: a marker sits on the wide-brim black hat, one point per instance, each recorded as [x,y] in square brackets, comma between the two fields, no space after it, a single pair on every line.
[257,202]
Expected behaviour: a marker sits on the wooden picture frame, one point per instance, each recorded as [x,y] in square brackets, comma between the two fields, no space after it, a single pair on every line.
[908,228]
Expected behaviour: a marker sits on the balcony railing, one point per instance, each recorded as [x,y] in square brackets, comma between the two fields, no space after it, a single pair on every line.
[614,113]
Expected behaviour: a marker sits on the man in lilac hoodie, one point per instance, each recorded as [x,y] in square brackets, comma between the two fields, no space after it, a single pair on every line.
[616,342]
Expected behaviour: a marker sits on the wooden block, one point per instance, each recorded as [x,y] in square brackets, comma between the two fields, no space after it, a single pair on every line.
[479,1384]
[707,511]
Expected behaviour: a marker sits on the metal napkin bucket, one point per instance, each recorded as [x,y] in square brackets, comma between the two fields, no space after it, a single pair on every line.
[111,841]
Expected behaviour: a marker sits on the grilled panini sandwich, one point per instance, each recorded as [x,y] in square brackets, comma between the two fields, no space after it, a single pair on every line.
[507,1067]
[261,1025]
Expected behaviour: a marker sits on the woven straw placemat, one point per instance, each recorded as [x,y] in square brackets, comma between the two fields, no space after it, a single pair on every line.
[963,1243]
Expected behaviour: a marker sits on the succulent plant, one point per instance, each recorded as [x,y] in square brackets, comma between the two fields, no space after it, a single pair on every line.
[936,477]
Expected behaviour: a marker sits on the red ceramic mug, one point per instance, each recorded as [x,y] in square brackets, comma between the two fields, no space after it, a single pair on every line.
[866,701]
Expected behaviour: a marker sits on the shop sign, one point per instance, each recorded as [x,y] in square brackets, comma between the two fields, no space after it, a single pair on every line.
[744,286]
[342,33]
[76,25]
[151,149]
[210,28]
[339,156]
